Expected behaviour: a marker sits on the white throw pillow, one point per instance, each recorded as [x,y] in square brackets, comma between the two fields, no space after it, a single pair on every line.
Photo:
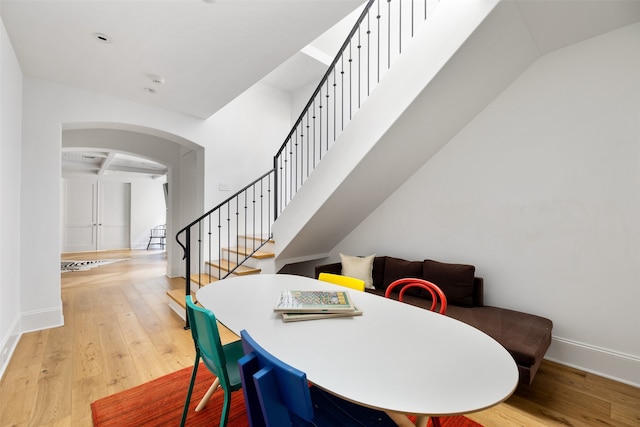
[359,267]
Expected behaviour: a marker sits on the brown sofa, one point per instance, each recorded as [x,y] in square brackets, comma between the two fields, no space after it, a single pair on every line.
[526,336]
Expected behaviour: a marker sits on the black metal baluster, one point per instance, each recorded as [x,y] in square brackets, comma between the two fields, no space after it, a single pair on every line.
[253,215]
[400,26]
[368,53]
[199,251]
[388,34]
[297,162]
[320,122]
[412,18]
[350,82]
[246,217]
[219,243]
[378,18]
[291,162]
[342,88]
[187,268]
[327,114]
[334,105]
[210,232]
[359,71]
[237,230]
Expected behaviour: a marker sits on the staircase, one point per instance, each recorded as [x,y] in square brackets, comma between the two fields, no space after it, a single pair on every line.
[233,231]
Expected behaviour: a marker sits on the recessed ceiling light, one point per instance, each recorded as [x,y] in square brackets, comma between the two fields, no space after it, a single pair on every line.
[103,38]
[156,80]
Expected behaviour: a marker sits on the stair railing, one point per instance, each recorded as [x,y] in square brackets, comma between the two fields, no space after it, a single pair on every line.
[375,41]
[242,221]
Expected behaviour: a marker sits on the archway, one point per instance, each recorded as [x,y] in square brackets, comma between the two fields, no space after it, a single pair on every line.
[183,159]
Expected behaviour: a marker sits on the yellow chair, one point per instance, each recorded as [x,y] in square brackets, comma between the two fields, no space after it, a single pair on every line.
[337,279]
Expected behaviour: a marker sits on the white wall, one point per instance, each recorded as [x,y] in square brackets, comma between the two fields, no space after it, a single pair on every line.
[247,134]
[10,154]
[541,193]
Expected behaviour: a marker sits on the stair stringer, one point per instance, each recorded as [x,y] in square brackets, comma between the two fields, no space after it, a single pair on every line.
[462,59]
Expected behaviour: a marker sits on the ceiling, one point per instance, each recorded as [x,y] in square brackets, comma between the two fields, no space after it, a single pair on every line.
[187,56]
[105,163]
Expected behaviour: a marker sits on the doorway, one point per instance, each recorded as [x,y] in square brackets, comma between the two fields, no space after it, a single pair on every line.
[96,215]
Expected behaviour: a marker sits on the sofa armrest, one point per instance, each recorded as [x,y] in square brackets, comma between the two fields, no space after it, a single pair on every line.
[478,292]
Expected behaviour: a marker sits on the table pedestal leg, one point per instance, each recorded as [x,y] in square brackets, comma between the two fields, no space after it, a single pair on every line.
[401,419]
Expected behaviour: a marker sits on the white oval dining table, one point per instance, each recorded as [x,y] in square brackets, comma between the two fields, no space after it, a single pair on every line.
[394,357]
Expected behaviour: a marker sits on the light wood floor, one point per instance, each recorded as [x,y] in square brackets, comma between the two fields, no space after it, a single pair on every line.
[119,332]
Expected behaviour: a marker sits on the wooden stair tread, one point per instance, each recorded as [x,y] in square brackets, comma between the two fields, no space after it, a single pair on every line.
[257,239]
[246,251]
[203,279]
[226,335]
[178,296]
[226,265]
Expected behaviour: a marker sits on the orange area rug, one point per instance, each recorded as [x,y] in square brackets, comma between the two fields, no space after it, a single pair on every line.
[159,403]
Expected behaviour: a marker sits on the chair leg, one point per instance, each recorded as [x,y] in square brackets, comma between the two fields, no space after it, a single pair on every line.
[207,395]
[185,411]
[435,421]
[225,408]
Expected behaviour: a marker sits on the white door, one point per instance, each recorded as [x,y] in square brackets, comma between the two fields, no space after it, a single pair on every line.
[96,215]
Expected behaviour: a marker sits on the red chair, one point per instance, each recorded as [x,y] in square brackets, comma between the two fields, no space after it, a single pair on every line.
[436,294]
[434,290]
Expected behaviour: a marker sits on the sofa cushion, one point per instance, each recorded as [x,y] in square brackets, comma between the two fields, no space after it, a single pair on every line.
[526,336]
[455,280]
[396,268]
[358,267]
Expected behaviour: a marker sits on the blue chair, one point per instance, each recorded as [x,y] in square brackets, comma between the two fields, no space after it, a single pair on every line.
[277,395]
[221,360]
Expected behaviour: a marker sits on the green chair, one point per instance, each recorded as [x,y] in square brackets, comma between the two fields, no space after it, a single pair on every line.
[221,360]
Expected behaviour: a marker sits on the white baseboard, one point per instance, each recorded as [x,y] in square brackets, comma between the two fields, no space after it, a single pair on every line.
[42,319]
[28,322]
[624,368]
[9,343]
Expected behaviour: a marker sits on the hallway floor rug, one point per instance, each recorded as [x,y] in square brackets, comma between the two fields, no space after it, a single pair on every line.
[159,403]
[85,265]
